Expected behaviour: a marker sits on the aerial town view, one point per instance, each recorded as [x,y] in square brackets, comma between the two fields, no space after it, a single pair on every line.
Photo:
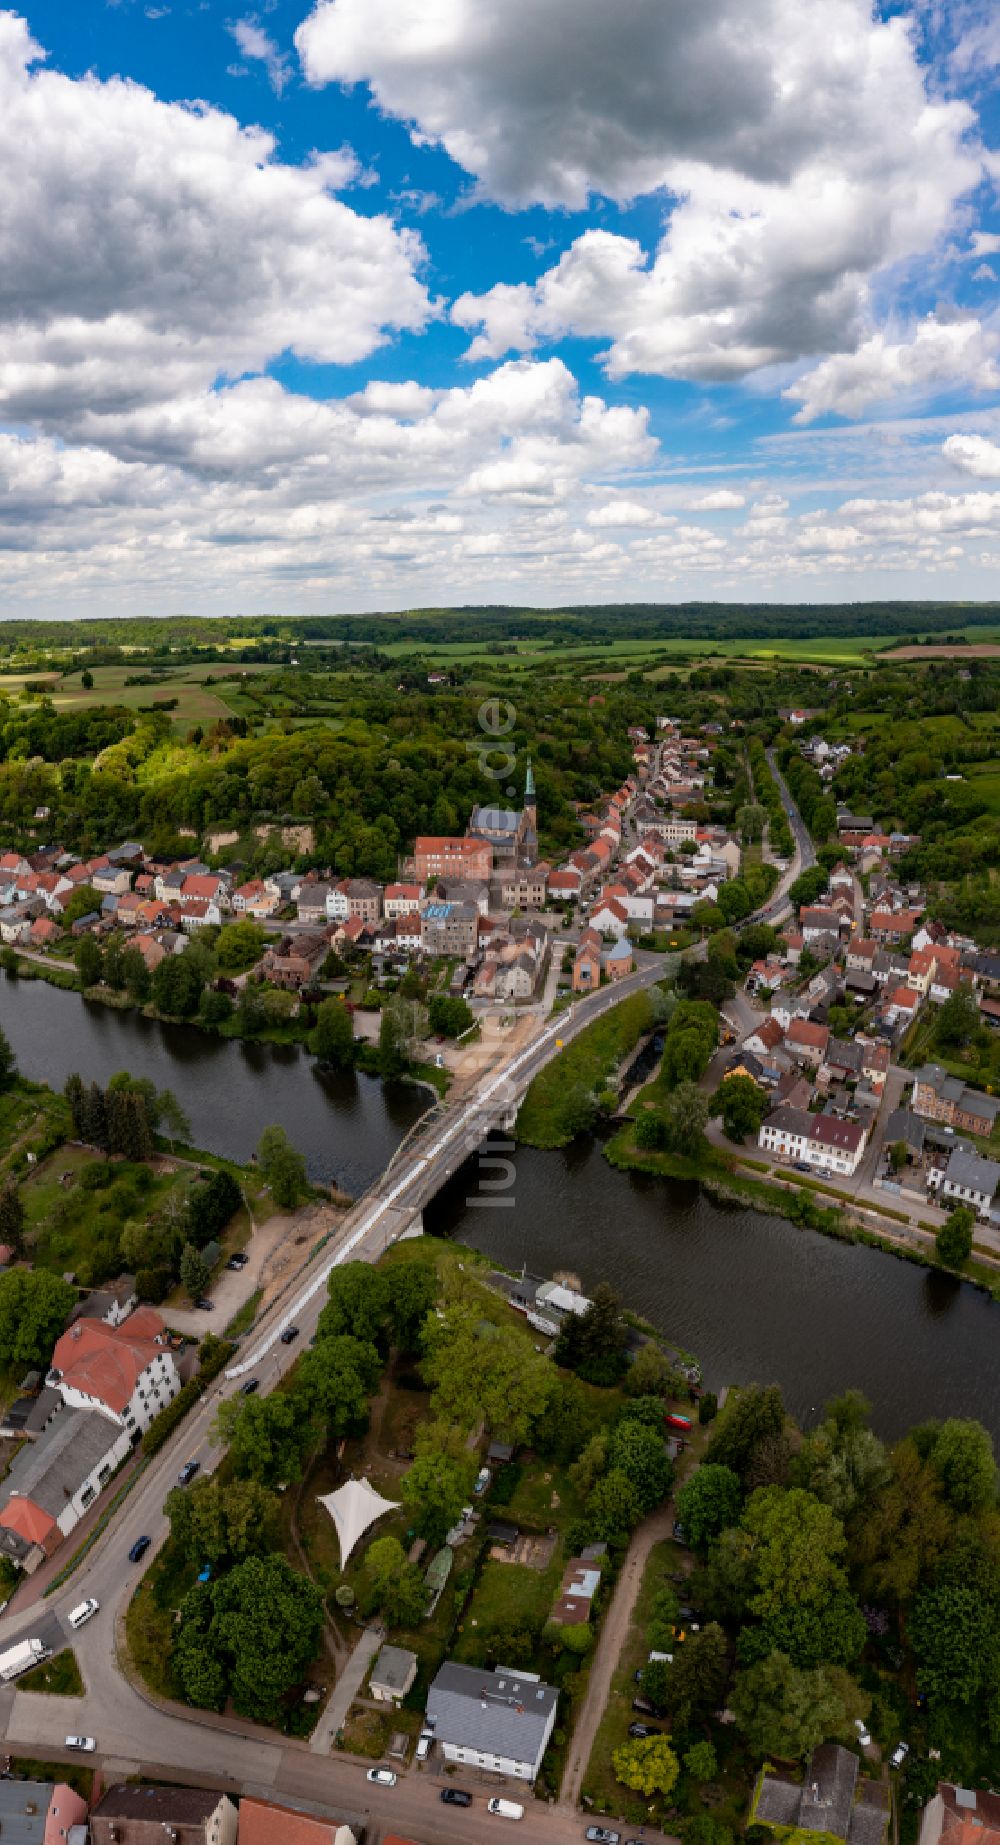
[500,923]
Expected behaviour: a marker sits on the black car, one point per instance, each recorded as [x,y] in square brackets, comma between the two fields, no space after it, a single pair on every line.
[205,1305]
[646,1707]
[456,1797]
[187,1472]
[289,1335]
[640,1729]
[239,1260]
[252,1384]
[139,1549]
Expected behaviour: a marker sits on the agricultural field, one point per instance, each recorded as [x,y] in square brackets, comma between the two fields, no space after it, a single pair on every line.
[196,702]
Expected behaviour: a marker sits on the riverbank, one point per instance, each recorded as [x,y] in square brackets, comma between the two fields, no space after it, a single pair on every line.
[559,1104]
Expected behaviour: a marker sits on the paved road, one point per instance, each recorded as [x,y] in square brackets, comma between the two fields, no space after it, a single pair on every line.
[129,1726]
[777,905]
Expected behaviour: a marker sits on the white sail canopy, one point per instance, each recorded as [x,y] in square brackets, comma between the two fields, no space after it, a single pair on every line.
[354,1507]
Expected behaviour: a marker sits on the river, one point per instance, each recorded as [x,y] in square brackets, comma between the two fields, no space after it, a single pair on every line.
[346,1125]
[750,1295]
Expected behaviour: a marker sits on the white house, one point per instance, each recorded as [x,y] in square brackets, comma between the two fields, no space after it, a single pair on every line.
[499,1720]
[122,1372]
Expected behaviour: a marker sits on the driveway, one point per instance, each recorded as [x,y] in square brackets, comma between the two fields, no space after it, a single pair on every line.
[276,1246]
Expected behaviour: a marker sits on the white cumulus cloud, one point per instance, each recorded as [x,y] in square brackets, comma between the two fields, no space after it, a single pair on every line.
[975,455]
[938,355]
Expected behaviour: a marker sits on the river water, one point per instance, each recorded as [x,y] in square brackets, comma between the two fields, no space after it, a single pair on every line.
[750,1295]
[346,1125]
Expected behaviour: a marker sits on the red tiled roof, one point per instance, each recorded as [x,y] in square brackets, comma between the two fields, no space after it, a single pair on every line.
[106,1362]
[198,886]
[263,1823]
[803,1031]
[28,1520]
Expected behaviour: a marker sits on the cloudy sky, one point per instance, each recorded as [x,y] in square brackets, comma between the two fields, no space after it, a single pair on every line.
[393,302]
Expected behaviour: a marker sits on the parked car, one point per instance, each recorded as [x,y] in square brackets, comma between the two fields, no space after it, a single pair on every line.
[238,1260]
[481,1481]
[288,1337]
[801,1166]
[139,1549]
[248,1389]
[456,1797]
[204,1305]
[641,1730]
[602,1835]
[678,1533]
[863,1736]
[425,1743]
[85,1743]
[187,1472]
[382,1777]
[646,1707]
[899,1754]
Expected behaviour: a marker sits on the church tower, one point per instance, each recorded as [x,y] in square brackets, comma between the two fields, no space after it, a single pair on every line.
[529,821]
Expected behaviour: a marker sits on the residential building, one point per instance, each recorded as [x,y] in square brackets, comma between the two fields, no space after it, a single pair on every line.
[122,1372]
[609,917]
[364,899]
[255,899]
[143,1814]
[296,960]
[765,1037]
[41,1813]
[392,1674]
[263,1822]
[832,1799]
[462,890]
[577,1590]
[587,963]
[441,857]
[827,1142]
[965,1178]
[313,905]
[619,960]
[449,929]
[960,1816]
[401,899]
[940,1097]
[500,1721]
[807,1042]
[54,1479]
[525,889]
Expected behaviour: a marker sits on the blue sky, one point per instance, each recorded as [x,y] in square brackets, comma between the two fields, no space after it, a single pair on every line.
[378,303]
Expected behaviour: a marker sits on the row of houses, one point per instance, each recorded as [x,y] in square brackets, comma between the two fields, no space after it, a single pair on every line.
[34,1812]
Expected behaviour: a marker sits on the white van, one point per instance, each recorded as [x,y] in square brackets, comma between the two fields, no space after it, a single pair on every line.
[506,1809]
[77,1616]
[425,1743]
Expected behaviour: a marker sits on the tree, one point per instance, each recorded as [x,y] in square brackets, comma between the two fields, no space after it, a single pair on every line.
[647,1764]
[240,946]
[962,1457]
[11,1216]
[799,1546]
[684,1114]
[137,977]
[954,1627]
[899,1153]
[833,1634]
[907,1527]
[332,1039]
[954,1239]
[696,1679]
[708,1502]
[591,1463]
[785,1711]
[34,1307]
[751,1429]
[337,1378]
[217,1521]
[723,1582]
[392,1042]
[593,1343]
[438,1484]
[638,1451]
[650,1374]
[76,1097]
[195,1272]
[614,1507]
[174,1121]
[958,1022]
[358,1302]
[842,1462]
[481,1372]
[701,1762]
[282,1167]
[89,960]
[8,1063]
[393,1586]
[742,1105]
[211,1202]
[451,1017]
[250,1636]
[268,1437]
[177,984]
[577,1111]
[413,1289]
[87,679]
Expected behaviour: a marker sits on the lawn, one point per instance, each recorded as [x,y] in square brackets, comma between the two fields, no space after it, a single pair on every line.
[197,703]
[587,1063]
[59,1676]
[72,1230]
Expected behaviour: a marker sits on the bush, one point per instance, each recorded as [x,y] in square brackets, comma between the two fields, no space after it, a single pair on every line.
[162,1426]
[96,1176]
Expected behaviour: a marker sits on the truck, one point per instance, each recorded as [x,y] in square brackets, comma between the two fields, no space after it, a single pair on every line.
[21,1658]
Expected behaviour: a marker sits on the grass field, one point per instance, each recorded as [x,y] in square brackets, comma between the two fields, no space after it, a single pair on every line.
[197,703]
[586,1064]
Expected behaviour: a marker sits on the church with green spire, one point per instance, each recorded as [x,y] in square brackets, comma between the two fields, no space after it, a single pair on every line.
[511,834]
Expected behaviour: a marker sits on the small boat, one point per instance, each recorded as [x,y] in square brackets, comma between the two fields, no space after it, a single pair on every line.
[675,1421]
